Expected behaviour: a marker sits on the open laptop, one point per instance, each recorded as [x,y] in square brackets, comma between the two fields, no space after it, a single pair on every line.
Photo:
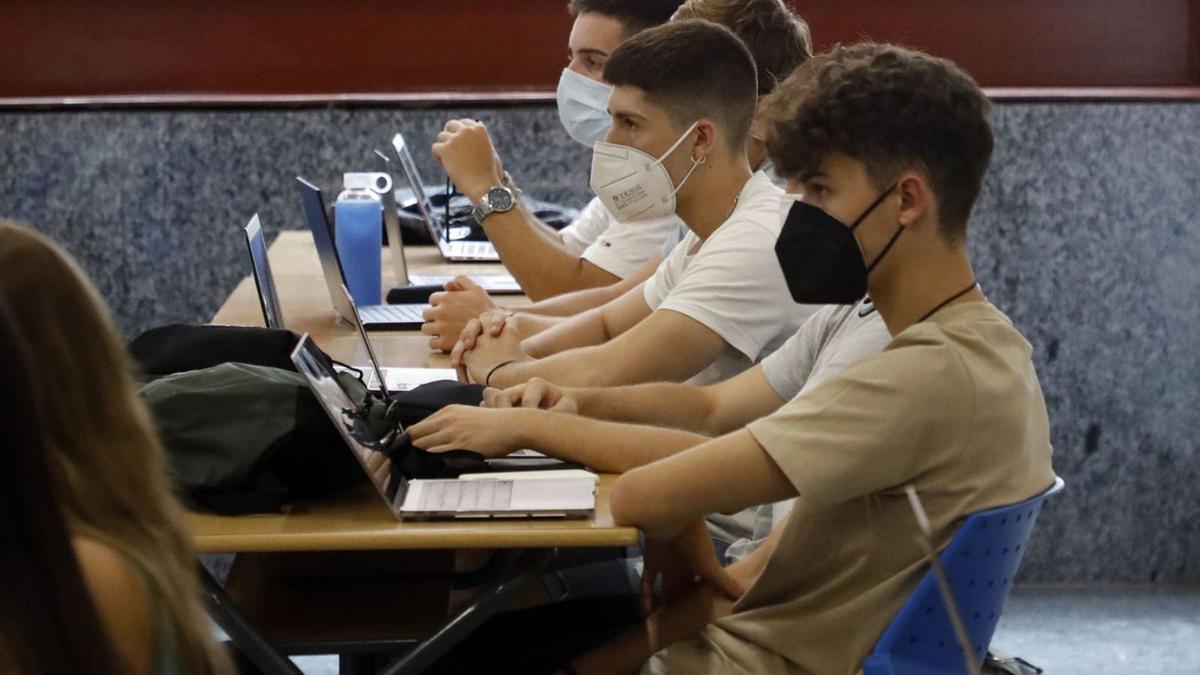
[483,496]
[377,317]
[496,284]
[260,267]
[447,238]
[387,380]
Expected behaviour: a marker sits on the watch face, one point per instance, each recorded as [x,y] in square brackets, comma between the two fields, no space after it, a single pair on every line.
[500,199]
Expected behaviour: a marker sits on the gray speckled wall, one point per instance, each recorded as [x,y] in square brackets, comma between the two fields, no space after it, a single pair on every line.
[1087,235]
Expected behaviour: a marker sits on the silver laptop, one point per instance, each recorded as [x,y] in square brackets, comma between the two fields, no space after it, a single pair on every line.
[467,497]
[496,284]
[260,266]
[450,240]
[387,380]
[377,317]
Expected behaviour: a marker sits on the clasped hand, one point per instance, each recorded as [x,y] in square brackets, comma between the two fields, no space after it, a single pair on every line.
[485,343]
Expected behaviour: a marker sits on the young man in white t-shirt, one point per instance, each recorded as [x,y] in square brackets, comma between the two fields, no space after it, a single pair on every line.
[778,40]
[683,99]
[546,262]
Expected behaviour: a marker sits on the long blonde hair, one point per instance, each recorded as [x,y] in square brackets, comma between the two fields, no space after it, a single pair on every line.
[113,485]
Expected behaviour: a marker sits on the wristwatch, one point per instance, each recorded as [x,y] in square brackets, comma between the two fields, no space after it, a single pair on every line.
[498,199]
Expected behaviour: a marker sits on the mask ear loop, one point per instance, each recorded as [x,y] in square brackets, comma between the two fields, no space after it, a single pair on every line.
[695,165]
[892,242]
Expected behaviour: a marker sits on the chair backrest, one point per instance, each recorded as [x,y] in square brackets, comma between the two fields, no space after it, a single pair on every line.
[981,562]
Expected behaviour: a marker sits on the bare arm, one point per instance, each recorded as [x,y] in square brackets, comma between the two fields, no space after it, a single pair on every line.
[665,345]
[542,266]
[724,475]
[575,302]
[496,340]
[464,300]
[714,409]
[591,327]
[675,621]
[608,447]
[534,256]
[121,601]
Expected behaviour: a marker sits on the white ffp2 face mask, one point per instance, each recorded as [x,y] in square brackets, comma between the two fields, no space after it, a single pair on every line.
[633,185]
[583,107]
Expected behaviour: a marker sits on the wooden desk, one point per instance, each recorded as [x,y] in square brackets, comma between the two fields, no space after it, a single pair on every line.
[359,520]
[353,529]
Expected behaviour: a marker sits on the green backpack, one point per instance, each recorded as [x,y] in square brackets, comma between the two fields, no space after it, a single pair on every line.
[243,438]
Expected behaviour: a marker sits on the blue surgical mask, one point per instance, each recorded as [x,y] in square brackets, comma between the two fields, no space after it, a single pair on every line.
[583,107]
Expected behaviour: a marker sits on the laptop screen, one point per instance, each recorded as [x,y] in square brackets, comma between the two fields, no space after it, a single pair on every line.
[437,228]
[362,335]
[263,280]
[331,265]
[322,380]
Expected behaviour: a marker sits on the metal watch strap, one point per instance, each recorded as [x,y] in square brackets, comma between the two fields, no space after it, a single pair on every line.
[484,208]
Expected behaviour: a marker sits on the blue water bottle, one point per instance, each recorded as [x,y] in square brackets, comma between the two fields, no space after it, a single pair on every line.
[358,215]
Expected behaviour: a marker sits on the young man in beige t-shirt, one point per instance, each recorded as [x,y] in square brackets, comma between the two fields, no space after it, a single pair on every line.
[888,148]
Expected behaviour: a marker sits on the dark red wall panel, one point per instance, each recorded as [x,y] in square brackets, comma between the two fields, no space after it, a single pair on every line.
[63,48]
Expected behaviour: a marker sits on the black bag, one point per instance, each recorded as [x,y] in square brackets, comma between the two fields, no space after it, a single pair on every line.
[414,230]
[177,347]
[250,436]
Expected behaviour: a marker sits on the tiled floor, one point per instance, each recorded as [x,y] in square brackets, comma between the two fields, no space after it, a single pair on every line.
[1108,631]
[1075,631]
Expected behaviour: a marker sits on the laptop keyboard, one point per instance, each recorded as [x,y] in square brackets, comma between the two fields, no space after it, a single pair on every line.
[473,249]
[393,313]
[466,495]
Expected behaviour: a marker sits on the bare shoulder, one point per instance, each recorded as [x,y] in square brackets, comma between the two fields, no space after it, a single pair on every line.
[121,600]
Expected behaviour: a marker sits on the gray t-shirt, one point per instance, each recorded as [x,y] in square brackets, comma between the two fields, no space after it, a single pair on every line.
[832,339]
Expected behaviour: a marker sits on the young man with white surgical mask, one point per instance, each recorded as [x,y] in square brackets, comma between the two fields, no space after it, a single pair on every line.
[683,99]
[778,40]
[544,261]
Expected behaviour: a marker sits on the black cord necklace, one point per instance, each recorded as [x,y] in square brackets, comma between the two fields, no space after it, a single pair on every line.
[949,300]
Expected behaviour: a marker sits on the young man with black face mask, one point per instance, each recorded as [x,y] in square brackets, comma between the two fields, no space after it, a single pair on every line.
[885,150]
[779,41]
[683,100]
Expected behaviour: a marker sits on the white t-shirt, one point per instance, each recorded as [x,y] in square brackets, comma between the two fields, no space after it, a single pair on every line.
[615,247]
[676,235]
[834,338]
[732,283]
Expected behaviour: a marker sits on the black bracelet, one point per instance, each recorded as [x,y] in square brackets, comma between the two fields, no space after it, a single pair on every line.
[487,381]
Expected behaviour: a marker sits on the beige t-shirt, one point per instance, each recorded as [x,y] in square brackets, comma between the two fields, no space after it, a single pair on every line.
[952,406]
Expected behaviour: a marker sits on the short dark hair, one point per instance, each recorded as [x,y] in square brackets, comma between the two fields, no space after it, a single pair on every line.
[693,69]
[634,15]
[778,39]
[892,109]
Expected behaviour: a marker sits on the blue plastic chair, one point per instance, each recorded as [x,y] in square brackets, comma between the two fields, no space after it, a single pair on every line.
[981,562]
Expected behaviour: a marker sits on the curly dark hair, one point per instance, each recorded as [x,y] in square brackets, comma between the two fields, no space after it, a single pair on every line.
[778,39]
[634,15]
[893,109]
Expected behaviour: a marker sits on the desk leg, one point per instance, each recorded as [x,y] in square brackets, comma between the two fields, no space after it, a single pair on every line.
[490,600]
[261,653]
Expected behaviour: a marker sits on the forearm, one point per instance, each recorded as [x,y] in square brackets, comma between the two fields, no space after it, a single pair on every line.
[723,475]
[674,622]
[576,302]
[538,261]
[528,325]
[560,335]
[681,406]
[608,447]
[576,367]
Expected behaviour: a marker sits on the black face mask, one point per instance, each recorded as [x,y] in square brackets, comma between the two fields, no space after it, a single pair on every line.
[821,260]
